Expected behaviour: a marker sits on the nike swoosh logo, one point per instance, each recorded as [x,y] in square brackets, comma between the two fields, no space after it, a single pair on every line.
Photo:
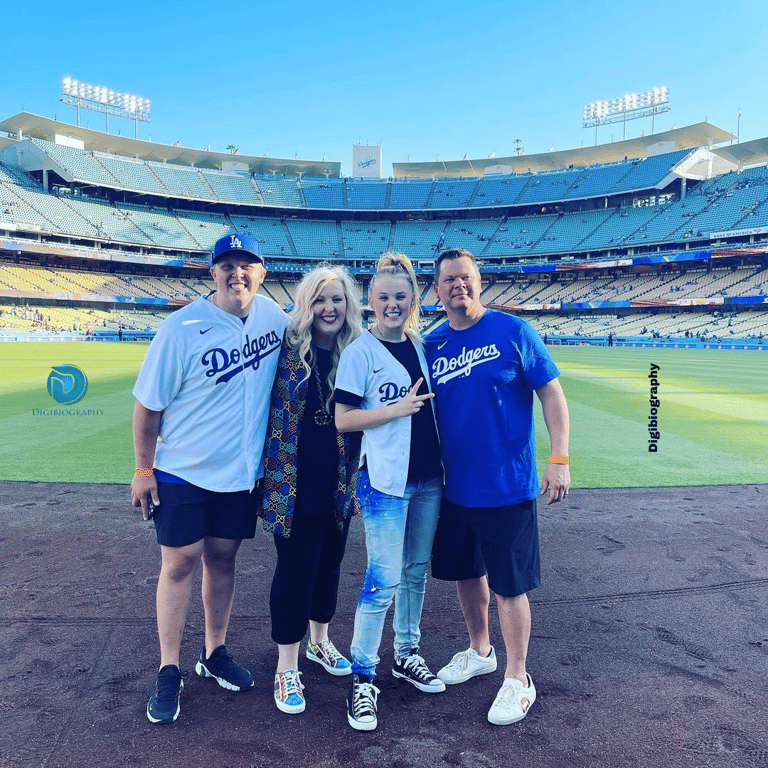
[206,330]
[440,346]
[378,370]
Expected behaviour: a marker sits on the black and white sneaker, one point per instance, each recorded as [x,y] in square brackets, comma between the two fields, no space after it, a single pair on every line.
[414,669]
[224,669]
[163,706]
[361,703]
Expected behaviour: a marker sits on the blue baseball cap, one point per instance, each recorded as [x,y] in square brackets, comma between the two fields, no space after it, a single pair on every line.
[237,243]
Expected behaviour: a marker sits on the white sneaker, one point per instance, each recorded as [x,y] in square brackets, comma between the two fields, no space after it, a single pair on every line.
[466,665]
[512,702]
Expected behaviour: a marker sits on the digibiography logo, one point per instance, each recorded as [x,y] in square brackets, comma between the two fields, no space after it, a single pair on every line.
[67,384]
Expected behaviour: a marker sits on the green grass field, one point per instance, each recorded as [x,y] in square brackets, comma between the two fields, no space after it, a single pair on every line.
[713,417]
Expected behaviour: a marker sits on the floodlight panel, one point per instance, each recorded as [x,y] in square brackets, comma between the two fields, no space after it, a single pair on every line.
[103,99]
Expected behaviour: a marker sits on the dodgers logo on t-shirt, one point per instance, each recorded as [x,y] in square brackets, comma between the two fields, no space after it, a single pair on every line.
[447,368]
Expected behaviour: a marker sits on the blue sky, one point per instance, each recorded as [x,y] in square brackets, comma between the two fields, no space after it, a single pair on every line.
[429,80]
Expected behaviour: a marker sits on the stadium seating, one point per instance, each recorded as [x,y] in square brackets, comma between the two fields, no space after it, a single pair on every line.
[647,173]
[131,174]
[233,187]
[518,235]
[365,239]
[316,240]
[80,164]
[568,231]
[323,193]
[418,238]
[206,228]
[271,233]
[546,187]
[452,193]
[281,191]
[15,175]
[109,221]
[598,180]
[601,212]
[16,210]
[472,235]
[366,194]
[409,195]
[496,190]
[676,221]
[182,182]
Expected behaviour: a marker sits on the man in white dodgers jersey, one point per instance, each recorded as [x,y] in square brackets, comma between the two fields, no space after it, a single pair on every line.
[485,366]
[200,417]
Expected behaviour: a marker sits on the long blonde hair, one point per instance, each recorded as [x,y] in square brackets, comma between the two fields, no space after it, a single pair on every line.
[398,264]
[299,333]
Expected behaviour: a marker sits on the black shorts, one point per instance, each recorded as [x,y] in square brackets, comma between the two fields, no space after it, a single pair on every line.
[500,541]
[187,513]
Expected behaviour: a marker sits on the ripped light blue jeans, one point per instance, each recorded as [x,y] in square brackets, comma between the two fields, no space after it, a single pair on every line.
[398,537]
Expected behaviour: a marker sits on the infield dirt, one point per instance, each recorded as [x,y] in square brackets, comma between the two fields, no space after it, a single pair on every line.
[649,647]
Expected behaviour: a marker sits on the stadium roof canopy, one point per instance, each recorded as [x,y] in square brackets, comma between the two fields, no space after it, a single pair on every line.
[26,124]
[746,153]
[690,137]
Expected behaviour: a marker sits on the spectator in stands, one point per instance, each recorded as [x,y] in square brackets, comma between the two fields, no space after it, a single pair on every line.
[212,363]
[485,366]
[381,389]
[310,478]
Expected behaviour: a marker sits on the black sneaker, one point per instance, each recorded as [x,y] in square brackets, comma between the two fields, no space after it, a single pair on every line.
[361,703]
[413,669]
[163,706]
[224,669]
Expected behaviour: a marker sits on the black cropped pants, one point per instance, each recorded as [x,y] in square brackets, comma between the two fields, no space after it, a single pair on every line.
[306,580]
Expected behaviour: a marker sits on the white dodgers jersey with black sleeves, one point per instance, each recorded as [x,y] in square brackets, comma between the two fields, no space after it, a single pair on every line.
[368,369]
[211,374]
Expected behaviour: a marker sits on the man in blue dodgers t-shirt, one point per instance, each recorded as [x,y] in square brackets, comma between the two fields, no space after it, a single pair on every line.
[485,366]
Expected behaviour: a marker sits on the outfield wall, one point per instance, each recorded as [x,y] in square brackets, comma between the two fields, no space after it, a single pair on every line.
[752,345]
[674,343]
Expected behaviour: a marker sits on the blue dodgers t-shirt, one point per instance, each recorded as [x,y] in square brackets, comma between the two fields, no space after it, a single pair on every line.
[484,378]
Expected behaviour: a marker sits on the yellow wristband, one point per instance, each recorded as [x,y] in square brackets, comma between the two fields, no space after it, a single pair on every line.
[553,459]
[145,472]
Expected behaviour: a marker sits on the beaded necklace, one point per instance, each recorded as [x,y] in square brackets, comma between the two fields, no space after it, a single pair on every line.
[322,417]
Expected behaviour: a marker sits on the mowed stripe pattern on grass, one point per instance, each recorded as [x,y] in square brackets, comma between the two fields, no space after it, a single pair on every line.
[713,417]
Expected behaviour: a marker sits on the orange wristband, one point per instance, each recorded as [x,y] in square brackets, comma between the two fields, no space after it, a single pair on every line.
[553,459]
[145,472]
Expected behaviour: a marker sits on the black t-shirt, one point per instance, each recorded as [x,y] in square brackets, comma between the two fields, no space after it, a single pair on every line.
[317,455]
[424,461]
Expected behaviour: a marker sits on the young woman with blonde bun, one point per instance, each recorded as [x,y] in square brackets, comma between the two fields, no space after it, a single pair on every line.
[382,389]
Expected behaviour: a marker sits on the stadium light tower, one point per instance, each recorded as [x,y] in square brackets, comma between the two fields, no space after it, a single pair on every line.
[629,107]
[106,101]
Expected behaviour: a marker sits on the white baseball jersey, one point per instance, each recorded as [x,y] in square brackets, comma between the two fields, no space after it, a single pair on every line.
[368,369]
[211,374]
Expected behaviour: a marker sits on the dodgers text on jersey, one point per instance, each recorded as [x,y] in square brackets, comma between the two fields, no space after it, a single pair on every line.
[228,363]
